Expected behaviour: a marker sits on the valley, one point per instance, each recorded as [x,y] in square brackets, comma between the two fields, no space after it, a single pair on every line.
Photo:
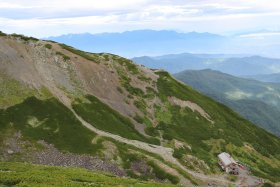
[254,100]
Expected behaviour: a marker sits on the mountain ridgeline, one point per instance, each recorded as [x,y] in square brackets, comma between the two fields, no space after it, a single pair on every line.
[159,42]
[66,107]
[237,65]
[257,101]
[274,77]
[142,42]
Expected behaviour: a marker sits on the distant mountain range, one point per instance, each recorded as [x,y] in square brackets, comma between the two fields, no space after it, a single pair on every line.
[143,42]
[238,65]
[257,101]
[275,77]
[155,43]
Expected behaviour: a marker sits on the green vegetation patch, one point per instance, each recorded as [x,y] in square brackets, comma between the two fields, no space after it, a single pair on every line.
[125,154]
[89,56]
[267,185]
[163,114]
[188,126]
[131,67]
[12,91]
[151,131]
[130,154]
[150,93]
[179,153]
[254,100]
[105,118]
[141,105]
[25,38]
[51,121]
[2,33]
[65,57]
[139,119]
[144,78]
[19,174]
[126,83]
[232,178]
[48,46]
[161,174]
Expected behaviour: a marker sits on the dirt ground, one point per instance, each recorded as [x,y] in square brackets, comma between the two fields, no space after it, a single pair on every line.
[247,180]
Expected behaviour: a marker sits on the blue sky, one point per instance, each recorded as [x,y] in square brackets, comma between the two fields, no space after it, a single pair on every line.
[55,17]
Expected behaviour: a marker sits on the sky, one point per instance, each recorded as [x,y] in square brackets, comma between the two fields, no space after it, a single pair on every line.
[43,18]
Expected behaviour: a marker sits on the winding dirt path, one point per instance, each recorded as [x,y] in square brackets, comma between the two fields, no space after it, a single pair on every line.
[164,152]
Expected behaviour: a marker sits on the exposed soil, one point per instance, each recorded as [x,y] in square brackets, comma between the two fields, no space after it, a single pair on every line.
[193,106]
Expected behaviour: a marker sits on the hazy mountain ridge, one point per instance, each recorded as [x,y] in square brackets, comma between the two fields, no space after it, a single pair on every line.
[128,116]
[256,101]
[275,77]
[159,42]
[237,65]
[141,42]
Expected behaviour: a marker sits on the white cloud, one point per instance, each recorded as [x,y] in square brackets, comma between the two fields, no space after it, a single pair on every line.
[238,95]
[41,18]
[261,35]
[9,5]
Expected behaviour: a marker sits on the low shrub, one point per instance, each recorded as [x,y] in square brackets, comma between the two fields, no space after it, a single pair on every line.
[65,57]
[86,55]
[151,131]
[25,38]
[48,46]
[161,174]
[2,34]
[179,153]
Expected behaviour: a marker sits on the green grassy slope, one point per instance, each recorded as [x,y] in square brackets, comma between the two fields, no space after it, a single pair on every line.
[103,117]
[275,77]
[256,101]
[51,121]
[48,120]
[19,174]
[12,91]
[230,132]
